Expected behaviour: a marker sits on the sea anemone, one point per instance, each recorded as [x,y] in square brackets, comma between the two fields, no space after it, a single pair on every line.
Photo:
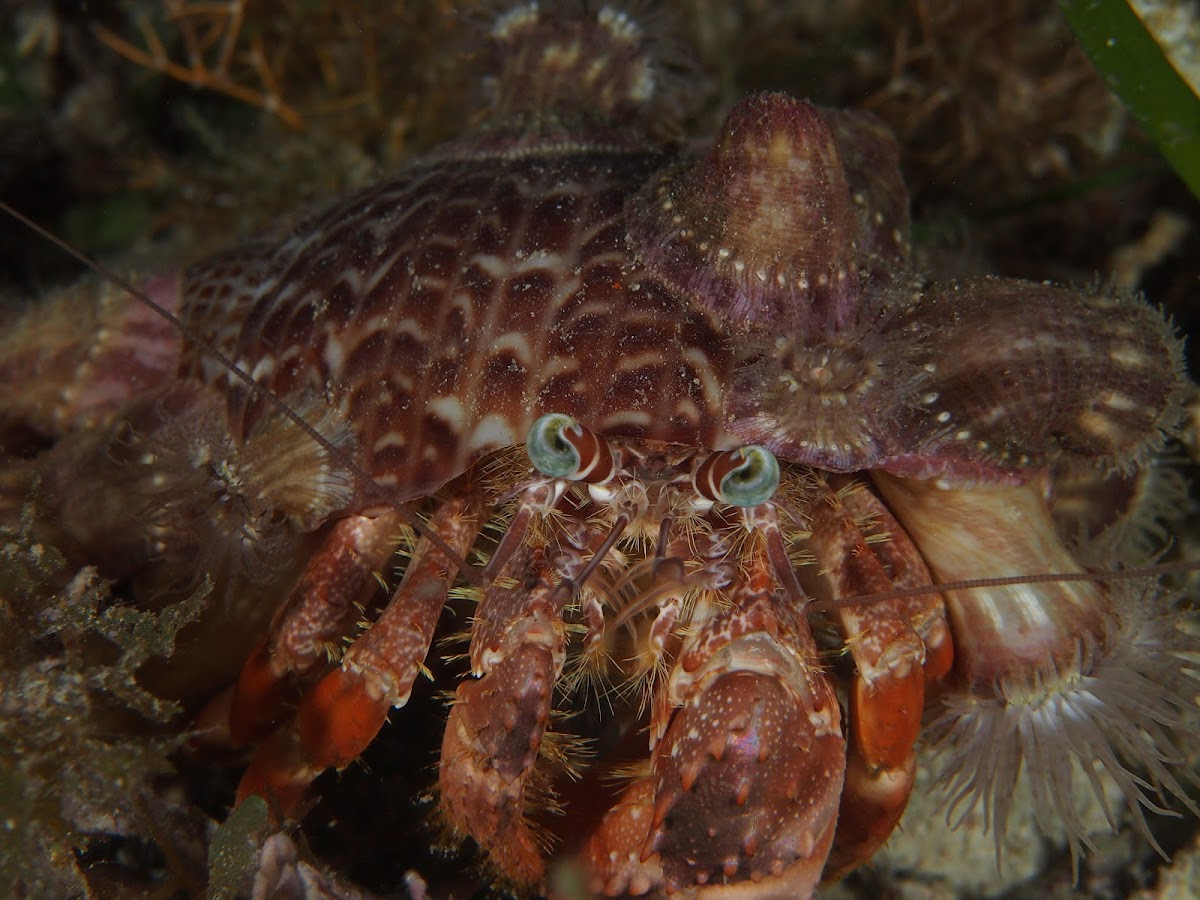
[1079,673]
[1118,710]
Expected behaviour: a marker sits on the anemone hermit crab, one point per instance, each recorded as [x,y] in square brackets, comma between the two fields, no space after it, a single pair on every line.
[685,426]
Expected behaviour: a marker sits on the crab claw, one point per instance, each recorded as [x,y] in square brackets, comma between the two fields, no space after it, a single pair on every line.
[746,778]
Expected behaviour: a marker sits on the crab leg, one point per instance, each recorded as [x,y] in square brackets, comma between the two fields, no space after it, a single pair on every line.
[319,610]
[887,697]
[906,568]
[747,774]
[341,715]
[498,720]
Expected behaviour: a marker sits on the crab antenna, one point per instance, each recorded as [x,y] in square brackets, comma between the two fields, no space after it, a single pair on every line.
[1175,568]
[618,528]
[664,534]
[375,491]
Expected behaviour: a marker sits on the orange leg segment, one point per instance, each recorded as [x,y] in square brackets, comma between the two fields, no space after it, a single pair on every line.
[887,697]
[343,713]
[317,613]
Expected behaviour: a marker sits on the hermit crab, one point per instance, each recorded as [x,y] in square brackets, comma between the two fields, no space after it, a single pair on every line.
[682,424]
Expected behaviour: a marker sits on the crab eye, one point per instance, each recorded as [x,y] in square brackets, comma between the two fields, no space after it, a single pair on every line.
[560,447]
[747,476]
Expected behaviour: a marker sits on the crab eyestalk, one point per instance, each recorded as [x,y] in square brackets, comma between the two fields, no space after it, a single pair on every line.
[744,477]
[1057,675]
[560,447]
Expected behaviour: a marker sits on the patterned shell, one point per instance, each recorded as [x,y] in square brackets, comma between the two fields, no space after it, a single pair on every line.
[444,311]
[756,293]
